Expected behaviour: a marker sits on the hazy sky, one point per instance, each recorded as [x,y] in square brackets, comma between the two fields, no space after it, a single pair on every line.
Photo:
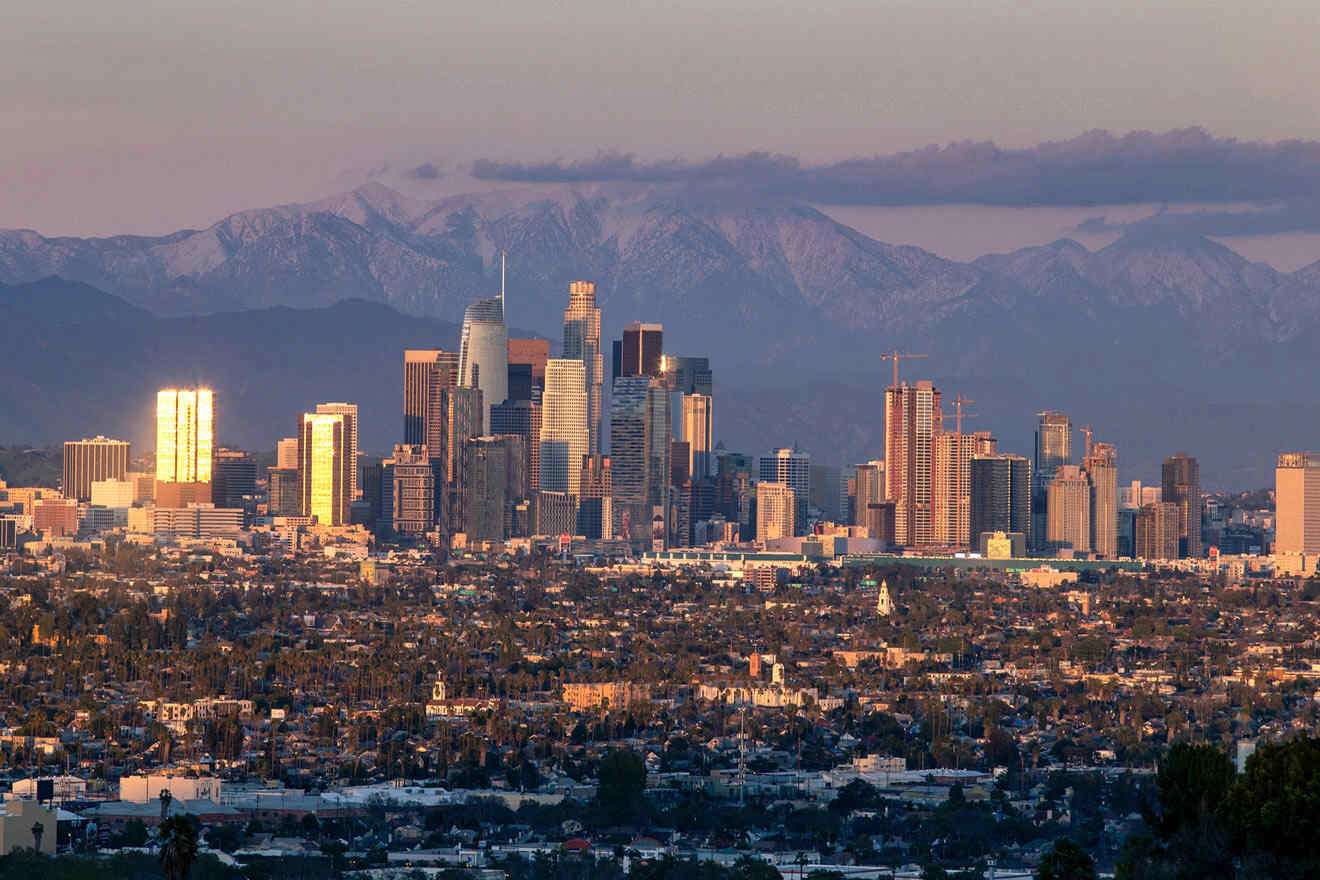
[145,116]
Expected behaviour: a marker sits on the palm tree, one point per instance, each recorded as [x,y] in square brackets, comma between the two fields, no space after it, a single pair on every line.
[178,846]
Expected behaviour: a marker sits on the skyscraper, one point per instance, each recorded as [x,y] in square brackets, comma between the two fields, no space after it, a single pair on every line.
[629,454]
[1101,466]
[595,515]
[185,428]
[1000,495]
[660,431]
[1155,531]
[868,488]
[792,468]
[1297,503]
[233,478]
[1053,449]
[491,486]
[323,468]
[1068,510]
[522,418]
[350,413]
[92,459]
[530,354]
[455,415]
[691,375]
[697,434]
[286,453]
[1182,486]
[639,353]
[582,343]
[776,506]
[951,477]
[483,354]
[422,368]
[413,491]
[564,435]
[912,420]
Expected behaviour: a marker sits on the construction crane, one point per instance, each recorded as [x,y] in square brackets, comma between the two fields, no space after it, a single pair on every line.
[1089,434]
[895,356]
[958,408]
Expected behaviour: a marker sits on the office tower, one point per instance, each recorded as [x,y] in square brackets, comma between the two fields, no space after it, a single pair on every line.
[868,488]
[824,494]
[659,430]
[91,459]
[488,502]
[1053,449]
[582,343]
[522,418]
[1181,478]
[350,413]
[1136,496]
[283,489]
[1101,466]
[630,455]
[483,354]
[640,351]
[776,509]
[691,375]
[556,513]
[1068,510]
[185,428]
[233,478]
[792,468]
[520,383]
[564,431]
[324,468]
[680,459]
[412,491]
[1297,503]
[1155,531]
[697,434]
[595,515]
[912,421]
[421,369]
[529,355]
[286,453]
[1000,495]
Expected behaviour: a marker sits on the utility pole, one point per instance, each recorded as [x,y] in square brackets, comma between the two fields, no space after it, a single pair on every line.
[896,356]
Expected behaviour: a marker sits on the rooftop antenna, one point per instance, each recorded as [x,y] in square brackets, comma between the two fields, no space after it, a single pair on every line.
[501,284]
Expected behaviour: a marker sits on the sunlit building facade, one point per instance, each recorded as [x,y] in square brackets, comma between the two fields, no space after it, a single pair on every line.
[483,354]
[323,468]
[185,432]
[564,439]
[582,343]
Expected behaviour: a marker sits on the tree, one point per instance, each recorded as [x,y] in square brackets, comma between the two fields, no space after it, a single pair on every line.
[622,778]
[178,846]
[1274,809]
[1066,860]
[1192,784]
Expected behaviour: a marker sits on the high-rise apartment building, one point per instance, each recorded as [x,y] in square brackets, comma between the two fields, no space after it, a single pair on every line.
[868,488]
[1101,466]
[92,459]
[791,467]
[776,506]
[483,354]
[185,431]
[697,434]
[1000,495]
[412,491]
[564,434]
[582,343]
[640,351]
[1297,503]
[630,455]
[350,413]
[912,421]
[423,368]
[951,479]
[1155,531]
[1053,450]
[324,485]
[1068,510]
[1181,478]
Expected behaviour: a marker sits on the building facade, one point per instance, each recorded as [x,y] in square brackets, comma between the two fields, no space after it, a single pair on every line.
[582,343]
[912,420]
[1068,511]
[1181,478]
[185,432]
[483,354]
[324,487]
[564,434]
[89,460]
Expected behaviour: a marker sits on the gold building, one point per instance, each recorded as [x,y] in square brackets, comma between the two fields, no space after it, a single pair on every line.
[325,487]
[185,432]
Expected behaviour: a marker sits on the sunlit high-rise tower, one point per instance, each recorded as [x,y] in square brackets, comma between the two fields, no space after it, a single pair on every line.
[323,468]
[582,343]
[185,432]
[350,413]
[912,420]
[483,353]
[563,426]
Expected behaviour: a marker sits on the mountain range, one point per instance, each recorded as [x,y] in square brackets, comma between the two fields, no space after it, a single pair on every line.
[1163,339]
